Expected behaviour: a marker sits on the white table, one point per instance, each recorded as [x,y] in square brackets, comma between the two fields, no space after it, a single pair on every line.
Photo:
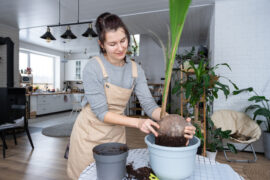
[205,169]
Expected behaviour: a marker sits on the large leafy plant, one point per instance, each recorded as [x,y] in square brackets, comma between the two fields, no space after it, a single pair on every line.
[205,84]
[178,13]
[260,108]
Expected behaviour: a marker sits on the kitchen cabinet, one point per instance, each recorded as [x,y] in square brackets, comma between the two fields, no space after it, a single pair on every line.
[50,103]
[74,69]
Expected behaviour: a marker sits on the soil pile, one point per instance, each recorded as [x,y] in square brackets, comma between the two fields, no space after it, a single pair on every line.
[142,173]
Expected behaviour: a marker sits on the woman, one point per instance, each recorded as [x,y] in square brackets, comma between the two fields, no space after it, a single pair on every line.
[108,83]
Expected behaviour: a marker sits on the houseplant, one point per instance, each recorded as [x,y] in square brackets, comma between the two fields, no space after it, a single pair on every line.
[206,84]
[260,109]
[172,162]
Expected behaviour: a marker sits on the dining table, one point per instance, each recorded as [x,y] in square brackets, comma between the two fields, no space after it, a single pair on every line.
[205,168]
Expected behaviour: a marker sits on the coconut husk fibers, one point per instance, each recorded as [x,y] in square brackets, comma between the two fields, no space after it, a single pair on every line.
[171,131]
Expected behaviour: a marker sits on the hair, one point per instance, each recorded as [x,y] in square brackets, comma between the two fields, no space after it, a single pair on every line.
[107,22]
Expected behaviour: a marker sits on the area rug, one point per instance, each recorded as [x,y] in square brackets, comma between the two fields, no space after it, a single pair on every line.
[60,130]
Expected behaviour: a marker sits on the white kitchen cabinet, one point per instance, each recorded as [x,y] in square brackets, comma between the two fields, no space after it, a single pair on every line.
[74,69]
[45,104]
[70,70]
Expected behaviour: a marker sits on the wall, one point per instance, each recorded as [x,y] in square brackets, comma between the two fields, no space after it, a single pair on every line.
[151,59]
[241,39]
[13,33]
[59,66]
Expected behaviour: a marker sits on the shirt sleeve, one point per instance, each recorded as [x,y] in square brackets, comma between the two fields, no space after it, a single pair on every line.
[94,89]
[143,93]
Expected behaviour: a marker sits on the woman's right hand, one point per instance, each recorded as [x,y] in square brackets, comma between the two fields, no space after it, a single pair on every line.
[146,126]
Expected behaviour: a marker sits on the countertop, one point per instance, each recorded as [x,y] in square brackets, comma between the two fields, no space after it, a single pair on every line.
[52,93]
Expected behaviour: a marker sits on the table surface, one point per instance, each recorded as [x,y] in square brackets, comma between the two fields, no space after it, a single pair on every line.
[205,168]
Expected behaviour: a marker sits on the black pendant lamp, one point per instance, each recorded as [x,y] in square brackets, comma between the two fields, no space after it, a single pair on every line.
[89,32]
[68,34]
[48,36]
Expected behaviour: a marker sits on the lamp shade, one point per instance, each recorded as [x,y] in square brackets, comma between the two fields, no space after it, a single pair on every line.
[48,35]
[89,32]
[68,34]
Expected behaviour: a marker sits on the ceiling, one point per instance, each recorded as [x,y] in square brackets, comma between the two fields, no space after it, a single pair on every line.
[140,16]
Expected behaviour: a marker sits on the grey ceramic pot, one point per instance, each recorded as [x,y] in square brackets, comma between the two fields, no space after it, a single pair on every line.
[266,144]
[111,160]
[172,163]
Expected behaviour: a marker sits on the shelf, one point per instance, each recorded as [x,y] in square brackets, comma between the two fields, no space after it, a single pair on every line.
[187,71]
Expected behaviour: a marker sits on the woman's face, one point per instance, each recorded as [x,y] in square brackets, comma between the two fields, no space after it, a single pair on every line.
[116,44]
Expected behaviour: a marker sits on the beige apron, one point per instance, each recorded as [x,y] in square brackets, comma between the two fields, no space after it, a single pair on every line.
[88,131]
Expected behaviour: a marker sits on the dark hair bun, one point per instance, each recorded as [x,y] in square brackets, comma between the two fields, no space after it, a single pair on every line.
[100,22]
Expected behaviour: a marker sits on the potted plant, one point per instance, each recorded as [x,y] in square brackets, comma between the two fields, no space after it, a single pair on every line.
[214,140]
[205,84]
[172,162]
[261,109]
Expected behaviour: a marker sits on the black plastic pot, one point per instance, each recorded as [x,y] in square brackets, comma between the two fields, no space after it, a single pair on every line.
[111,160]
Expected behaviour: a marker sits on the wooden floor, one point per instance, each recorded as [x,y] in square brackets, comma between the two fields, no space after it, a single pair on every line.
[46,161]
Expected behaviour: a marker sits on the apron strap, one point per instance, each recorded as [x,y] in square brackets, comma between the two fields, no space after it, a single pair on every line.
[105,75]
[134,72]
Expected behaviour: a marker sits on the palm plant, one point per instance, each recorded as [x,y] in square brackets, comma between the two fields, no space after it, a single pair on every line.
[178,13]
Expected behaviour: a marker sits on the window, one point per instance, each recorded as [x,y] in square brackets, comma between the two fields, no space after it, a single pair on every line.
[23,61]
[135,44]
[42,68]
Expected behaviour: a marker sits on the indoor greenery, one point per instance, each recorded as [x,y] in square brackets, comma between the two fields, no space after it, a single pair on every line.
[260,108]
[178,13]
[205,83]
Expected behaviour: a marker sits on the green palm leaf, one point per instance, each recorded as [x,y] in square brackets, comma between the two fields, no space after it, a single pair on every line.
[178,13]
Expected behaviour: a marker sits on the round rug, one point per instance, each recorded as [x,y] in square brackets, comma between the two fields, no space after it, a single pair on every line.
[60,130]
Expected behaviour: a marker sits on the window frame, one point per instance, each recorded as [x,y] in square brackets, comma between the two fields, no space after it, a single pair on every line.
[40,54]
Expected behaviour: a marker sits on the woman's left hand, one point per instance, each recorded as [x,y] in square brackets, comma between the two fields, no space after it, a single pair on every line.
[189,131]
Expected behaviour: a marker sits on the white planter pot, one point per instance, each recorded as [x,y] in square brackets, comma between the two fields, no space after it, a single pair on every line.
[211,155]
[172,163]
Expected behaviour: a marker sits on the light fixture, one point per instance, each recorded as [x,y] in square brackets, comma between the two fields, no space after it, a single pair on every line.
[48,35]
[89,32]
[68,34]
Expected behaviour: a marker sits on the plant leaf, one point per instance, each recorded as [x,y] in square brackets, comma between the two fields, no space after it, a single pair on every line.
[258,98]
[262,112]
[232,148]
[251,107]
[242,90]
[178,13]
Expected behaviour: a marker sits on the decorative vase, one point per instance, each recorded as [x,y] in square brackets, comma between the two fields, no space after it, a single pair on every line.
[172,163]
[266,143]
[110,160]
[211,155]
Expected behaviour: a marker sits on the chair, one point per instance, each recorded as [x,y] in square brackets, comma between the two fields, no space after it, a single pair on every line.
[13,114]
[76,104]
[244,130]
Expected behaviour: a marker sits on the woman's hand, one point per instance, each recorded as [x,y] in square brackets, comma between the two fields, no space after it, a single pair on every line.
[146,126]
[189,131]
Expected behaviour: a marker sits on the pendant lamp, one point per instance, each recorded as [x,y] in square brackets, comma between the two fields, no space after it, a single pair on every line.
[68,34]
[48,36]
[89,32]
